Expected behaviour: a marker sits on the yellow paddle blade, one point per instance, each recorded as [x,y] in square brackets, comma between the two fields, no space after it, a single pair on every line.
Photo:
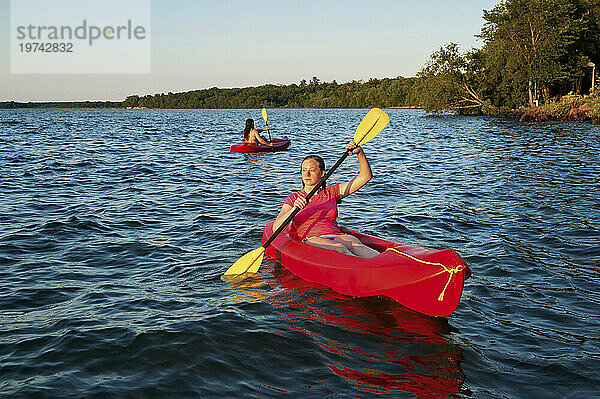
[264,113]
[253,269]
[247,263]
[371,125]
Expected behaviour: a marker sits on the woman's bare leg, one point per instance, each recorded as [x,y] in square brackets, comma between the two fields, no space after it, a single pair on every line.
[328,244]
[356,247]
[345,244]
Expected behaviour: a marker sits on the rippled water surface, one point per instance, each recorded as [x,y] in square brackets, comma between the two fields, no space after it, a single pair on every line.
[116,225]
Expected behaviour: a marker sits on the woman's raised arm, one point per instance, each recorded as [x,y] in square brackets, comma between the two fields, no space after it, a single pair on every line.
[364,174]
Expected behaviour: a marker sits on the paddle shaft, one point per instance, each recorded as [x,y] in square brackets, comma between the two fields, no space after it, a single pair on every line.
[269,131]
[308,196]
[265,117]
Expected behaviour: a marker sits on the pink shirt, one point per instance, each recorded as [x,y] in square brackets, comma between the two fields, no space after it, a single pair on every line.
[319,216]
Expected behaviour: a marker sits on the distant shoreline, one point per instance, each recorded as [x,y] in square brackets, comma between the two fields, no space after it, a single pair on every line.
[568,109]
[44,105]
[307,94]
[61,105]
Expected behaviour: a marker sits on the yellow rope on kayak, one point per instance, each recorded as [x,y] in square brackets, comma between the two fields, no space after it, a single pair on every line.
[451,272]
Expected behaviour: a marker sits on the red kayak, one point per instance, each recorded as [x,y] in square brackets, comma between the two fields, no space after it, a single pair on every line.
[422,279]
[278,145]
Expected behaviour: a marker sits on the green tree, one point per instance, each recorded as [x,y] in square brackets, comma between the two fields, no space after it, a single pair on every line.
[131,101]
[448,82]
[531,41]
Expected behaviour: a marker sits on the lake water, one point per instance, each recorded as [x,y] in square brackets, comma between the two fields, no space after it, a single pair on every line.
[116,225]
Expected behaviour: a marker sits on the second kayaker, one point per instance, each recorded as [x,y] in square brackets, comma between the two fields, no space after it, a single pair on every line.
[252,135]
[316,222]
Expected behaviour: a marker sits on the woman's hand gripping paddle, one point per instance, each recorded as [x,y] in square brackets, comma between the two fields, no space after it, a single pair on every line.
[367,130]
[264,114]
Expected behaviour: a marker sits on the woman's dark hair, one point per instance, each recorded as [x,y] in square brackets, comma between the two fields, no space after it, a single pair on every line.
[249,126]
[321,163]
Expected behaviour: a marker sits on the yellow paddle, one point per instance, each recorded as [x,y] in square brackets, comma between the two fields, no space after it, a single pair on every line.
[368,129]
[264,114]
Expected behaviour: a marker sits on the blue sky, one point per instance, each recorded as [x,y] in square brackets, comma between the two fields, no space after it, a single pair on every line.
[233,43]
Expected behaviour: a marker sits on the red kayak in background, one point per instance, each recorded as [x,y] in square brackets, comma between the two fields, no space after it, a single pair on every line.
[278,145]
[422,279]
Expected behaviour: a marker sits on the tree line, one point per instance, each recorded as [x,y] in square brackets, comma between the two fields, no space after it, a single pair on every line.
[388,92]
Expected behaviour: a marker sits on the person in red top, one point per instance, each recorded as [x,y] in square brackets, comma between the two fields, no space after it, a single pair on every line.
[316,222]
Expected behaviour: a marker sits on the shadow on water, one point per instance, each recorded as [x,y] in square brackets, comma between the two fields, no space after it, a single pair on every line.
[373,344]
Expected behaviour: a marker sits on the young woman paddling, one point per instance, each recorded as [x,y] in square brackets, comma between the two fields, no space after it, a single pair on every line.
[316,222]
[251,135]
